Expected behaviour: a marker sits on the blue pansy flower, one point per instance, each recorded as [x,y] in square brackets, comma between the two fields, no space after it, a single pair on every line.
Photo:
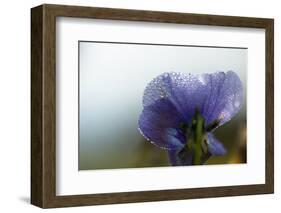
[181,111]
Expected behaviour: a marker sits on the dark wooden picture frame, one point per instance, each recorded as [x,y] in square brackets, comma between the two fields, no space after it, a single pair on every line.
[43,105]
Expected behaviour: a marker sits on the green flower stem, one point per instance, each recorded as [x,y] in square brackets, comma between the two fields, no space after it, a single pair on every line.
[197,137]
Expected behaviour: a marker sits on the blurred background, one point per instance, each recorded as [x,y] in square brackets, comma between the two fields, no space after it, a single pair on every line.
[112,78]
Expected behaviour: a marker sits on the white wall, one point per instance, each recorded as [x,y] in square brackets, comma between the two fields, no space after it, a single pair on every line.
[15,107]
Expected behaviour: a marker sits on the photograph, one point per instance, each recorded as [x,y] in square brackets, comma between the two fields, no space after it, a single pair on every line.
[161,105]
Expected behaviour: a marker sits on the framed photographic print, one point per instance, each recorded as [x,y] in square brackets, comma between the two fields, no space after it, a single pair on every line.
[136,106]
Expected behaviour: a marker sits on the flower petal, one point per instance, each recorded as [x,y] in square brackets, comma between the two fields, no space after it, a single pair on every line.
[176,161]
[159,124]
[225,96]
[180,157]
[214,146]
[185,91]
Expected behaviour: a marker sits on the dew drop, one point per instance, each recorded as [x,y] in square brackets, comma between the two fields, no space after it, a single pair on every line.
[236,103]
